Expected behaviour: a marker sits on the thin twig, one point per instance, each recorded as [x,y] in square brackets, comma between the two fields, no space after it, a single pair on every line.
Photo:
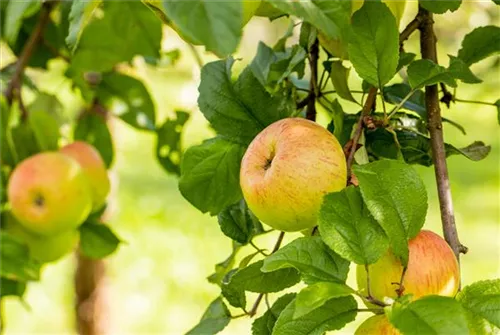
[434,124]
[256,304]
[313,64]
[29,48]
[196,55]
[474,102]
[409,29]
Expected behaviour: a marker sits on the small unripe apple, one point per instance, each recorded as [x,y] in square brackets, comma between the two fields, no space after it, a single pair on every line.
[377,325]
[286,171]
[42,248]
[432,269]
[249,9]
[49,193]
[93,167]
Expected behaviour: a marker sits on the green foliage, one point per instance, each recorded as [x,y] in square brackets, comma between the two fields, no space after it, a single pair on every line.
[79,16]
[373,48]
[265,324]
[347,227]
[93,128]
[339,76]
[215,318]
[16,261]
[238,223]
[396,197]
[15,12]
[210,178]
[479,44]
[168,145]
[10,287]
[315,261]
[440,6]
[481,300]
[424,72]
[97,240]
[334,314]
[316,295]
[429,315]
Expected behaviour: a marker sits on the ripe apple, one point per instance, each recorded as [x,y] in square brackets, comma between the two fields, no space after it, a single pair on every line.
[94,169]
[49,193]
[249,9]
[432,269]
[42,248]
[377,325]
[286,171]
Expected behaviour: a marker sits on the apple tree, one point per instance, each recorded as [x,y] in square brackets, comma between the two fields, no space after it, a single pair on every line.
[349,188]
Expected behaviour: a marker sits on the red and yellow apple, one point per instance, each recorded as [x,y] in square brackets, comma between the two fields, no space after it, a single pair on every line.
[94,169]
[377,325]
[286,171]
[432,269]
[49,193]
[42,248]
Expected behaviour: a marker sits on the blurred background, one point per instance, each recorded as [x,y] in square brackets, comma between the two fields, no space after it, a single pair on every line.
[156,282]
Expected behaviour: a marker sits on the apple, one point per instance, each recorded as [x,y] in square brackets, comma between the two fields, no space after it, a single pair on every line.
[432,269]
[94,169]
[49,193]
[249,9]
[377,325]
[286,171]
[42,248]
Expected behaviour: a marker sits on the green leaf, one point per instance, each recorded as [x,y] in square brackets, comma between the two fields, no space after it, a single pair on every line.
[10,287]
[308,35]
[129,99]
[330,17]
[416,148]
[333,315]
[15,12]
[233,294]
[252,279]
[482,42]
[347,227]
[24,141]
[265,324]
[92,128]
[210,172]
[424,72]
[45,126]
[394,94]
[496,2]
[79,16]
[123,31]
[482,299]
[224,267]
[240,110]
[312,257]
[440,6]
[215,319]
[216,25]
[238,222]
[271,67]
[337,119]
[396,197]
[339,76]
[168,144]
[373,48]
[405,58]
[16,261]
[430,315]
[497,103]
[460,70]
[316,295]
[97,240]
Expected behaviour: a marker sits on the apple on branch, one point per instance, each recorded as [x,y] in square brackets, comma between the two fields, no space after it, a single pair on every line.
[286,171]
[432,269]
[377,325]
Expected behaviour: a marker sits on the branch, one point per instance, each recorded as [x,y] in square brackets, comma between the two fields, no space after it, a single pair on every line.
[372,96]
[434,124]
[256,304]
[29,48]
[313,64]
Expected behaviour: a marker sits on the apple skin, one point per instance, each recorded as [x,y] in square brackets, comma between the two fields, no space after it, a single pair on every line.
[44,249]
[432,269]
[94,169]
[249,9]
[49,193]
[286,171]
[377,325]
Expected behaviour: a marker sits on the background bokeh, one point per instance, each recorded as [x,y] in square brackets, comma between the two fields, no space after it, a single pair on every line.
[156,281]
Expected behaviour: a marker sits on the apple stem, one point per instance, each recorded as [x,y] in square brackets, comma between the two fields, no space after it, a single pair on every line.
[256,304]
[434,124]
[401,289]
